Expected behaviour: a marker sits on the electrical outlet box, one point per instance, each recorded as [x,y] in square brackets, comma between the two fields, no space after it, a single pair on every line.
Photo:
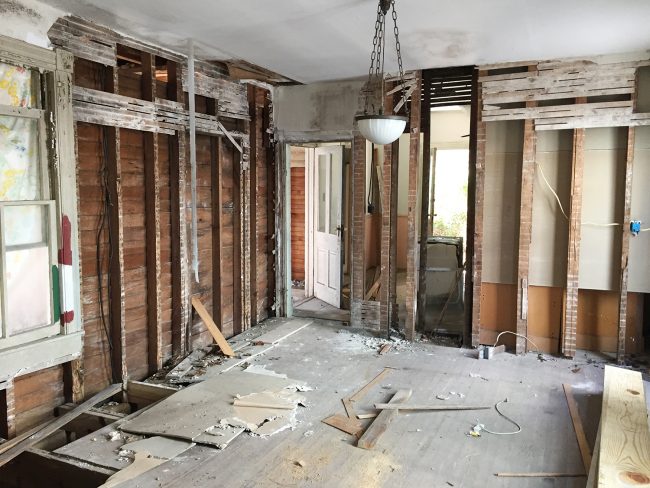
[635,227]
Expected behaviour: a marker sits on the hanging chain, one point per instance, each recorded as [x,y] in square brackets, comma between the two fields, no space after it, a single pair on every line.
[399,58]
[378,53]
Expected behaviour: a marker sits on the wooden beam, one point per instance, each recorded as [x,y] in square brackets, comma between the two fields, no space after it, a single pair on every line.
[425,122]
[7,411]
[625,438]
[570,315]
[525,228]
[412,245]
[217,221]
[381,422]
[358,278]
[469,337]
[212,327]
[478,203]
[143,394]
[73,381]
[177,162]
[152,223]
[237,265]
[625,247]
[428,406]
[583,445]
[57,423]
[255,152]
[271,196]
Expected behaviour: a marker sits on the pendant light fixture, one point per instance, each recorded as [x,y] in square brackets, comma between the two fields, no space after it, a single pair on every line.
[374,124]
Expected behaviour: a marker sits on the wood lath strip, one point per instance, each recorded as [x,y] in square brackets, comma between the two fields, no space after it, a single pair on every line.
[609,120]
[554,111]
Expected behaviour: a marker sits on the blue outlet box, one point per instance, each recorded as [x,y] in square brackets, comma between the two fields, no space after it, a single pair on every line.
[635,227]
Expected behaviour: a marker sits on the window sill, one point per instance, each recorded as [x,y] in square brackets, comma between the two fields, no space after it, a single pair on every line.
[33,356]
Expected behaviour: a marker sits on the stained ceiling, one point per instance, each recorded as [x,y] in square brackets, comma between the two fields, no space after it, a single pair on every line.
[312,40]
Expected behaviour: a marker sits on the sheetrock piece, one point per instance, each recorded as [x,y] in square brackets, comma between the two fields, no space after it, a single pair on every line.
[143,463]
[158,447]
[189,413]
[261,369]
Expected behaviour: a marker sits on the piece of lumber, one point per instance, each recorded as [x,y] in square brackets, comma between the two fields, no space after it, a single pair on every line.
[57,423]
[592,479]
[349,408]
[5,446]
[625,440]
[362,416]
[380,424]
[385,348]
[345,424]
[212,327]
[422,406]
[363,391]
[540,475]
[374,288]
[143,394]
[577,426]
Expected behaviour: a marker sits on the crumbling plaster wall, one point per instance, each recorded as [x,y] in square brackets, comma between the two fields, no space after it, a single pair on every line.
[27,20]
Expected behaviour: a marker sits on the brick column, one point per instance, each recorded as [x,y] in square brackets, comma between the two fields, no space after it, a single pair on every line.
[358,171]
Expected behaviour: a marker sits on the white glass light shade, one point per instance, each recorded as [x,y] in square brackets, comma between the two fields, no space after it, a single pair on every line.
[381,129]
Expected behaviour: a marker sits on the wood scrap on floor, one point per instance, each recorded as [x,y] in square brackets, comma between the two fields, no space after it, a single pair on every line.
[344,424]
[212,327]
[422,406]
[364,391]
[593,469]
[540,475]
[380,424]
[385,348]
[585,452]
[624,454]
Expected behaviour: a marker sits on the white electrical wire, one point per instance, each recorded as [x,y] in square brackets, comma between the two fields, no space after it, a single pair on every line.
[505,417]
[518,335]
[597,224]
[541,172]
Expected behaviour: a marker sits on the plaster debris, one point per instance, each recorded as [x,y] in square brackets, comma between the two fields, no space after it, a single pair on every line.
[114,436]
[476,375]
[261,369]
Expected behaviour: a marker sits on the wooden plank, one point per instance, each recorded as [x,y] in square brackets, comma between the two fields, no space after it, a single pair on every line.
[239,257]
[540,475]
[57,423]
[425,406]
[364,391]
[270,203]
[254,154]
[143,394]
[592,479]
[152,224]
[7,412]
[583,445]
[525,230]
[217,227]
[212,327]
[594,108]
[381,422]
[73,380]
[625,438]
[350,426]
[555,94]
[625,247]
[349,408]
[412,245]
[606,120]
[570,315]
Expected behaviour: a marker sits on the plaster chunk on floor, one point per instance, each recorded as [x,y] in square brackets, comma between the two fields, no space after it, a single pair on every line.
[265,413]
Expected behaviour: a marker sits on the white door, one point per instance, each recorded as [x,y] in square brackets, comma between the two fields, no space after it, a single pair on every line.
[328,186]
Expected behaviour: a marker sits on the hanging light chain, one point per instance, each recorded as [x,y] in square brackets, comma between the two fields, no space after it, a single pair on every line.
[399,57]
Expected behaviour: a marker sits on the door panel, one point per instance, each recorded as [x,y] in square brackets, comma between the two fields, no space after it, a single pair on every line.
[327,235]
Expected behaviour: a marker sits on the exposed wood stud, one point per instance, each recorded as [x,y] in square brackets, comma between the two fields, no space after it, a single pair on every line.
[412,246]
[358,274]
[525,228]
[625,247]
[477,191]
[217,220]
[73,381]
[570,316]
[7,411]
[238,276]
[424,200]
[152,223]
[254,156]
[270,200]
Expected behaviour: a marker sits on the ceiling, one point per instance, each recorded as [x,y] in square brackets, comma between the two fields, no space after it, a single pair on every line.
[312,40]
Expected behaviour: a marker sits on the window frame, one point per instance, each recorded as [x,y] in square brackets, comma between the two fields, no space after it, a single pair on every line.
[60,341]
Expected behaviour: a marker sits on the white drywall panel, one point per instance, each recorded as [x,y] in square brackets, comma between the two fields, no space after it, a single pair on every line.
[602,203]
[548,248]
[503,155]
[639,257]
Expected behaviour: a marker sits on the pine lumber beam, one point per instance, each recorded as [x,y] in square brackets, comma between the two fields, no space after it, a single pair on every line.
[254,155]
[426,406]
[624,458]
[364,391]
[143,394]
[583,445]
[345,424]
[592,479]
[212,327]
[57,423]
[382,421]
[540,475]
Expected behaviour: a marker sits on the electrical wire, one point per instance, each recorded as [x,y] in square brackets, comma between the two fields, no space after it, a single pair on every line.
[505,417]
[537,350]
[541,172]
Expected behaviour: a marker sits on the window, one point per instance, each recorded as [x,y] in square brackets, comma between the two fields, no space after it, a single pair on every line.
[36,156]
[27,215]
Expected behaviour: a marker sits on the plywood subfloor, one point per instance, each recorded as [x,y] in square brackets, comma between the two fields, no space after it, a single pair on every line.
[418,449]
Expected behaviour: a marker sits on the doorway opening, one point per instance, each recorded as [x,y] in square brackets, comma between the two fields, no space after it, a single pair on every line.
[320,216]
